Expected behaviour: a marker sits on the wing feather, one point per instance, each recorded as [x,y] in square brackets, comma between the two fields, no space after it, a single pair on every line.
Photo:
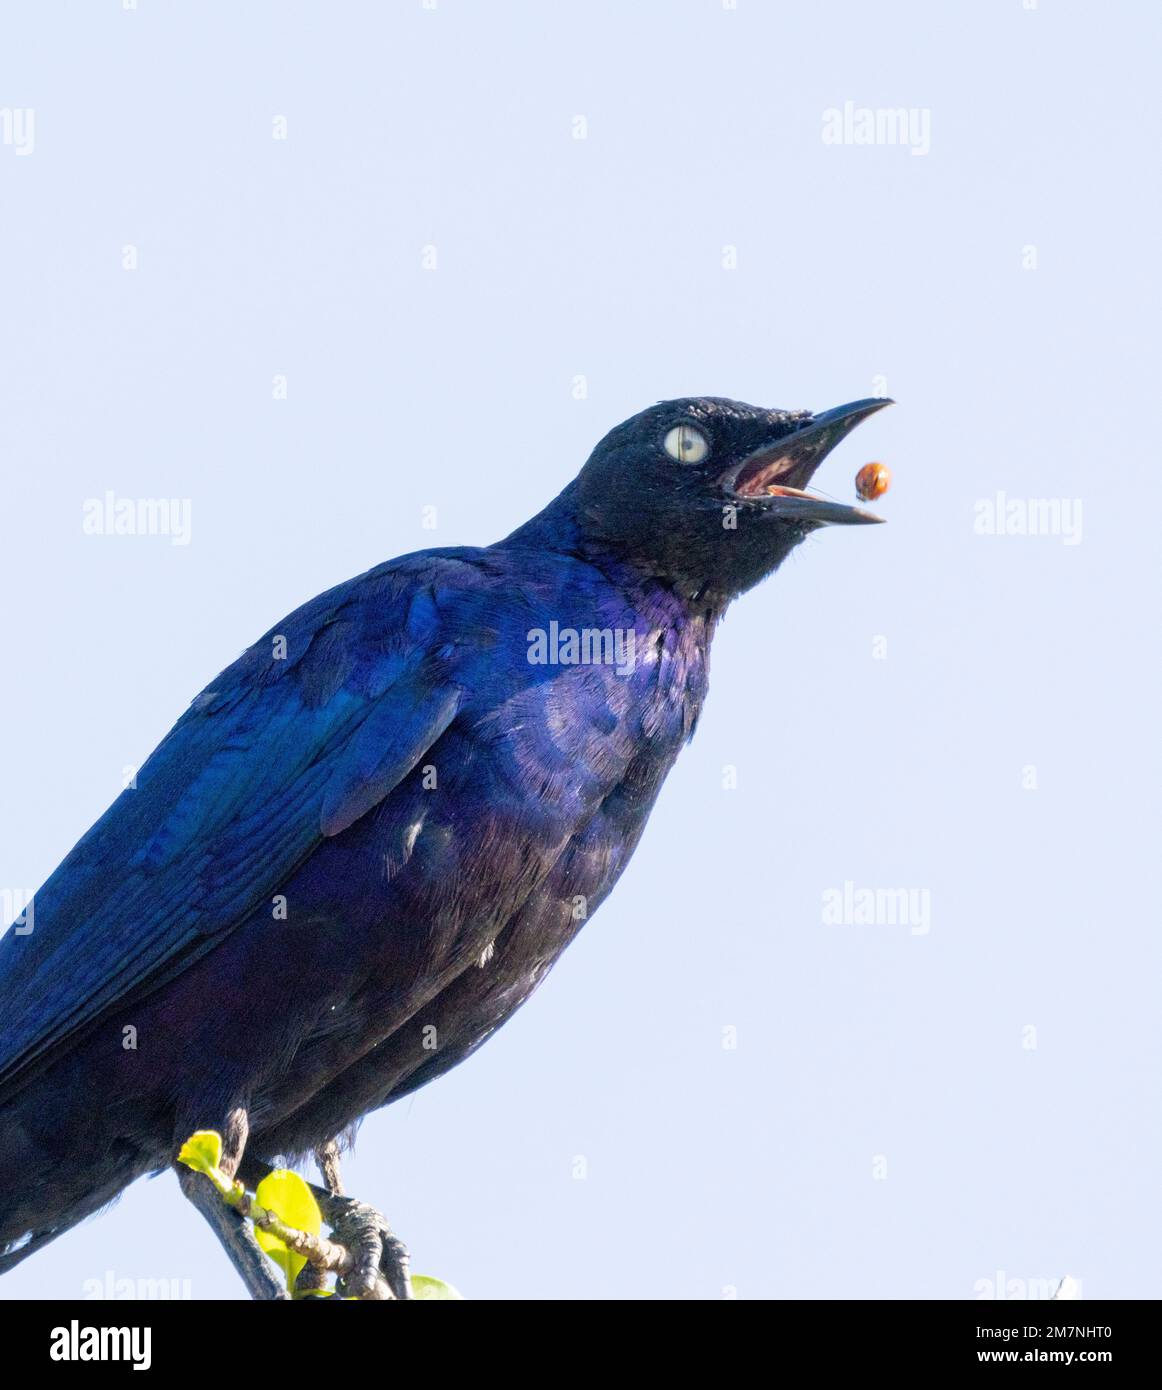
[277,754]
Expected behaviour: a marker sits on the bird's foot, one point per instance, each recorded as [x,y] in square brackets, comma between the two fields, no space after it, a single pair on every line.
[379,1258]
[379,1262]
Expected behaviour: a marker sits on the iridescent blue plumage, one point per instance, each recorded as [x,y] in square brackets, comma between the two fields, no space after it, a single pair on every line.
[389,812]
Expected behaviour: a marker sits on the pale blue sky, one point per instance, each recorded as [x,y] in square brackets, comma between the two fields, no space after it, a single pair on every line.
[859,269]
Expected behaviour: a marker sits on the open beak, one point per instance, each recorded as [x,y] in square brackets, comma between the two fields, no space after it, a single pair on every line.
[775,477]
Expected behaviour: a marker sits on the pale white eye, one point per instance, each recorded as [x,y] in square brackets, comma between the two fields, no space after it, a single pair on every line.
[686,444]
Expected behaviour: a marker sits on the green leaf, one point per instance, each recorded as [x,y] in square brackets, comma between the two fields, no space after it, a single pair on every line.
[424,1286]
[292,1201]
[202,1151]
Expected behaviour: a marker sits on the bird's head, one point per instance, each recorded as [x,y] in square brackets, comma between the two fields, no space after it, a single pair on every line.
[711,494]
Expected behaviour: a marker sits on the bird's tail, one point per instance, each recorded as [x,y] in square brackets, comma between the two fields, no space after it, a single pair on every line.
[22,1235]
[17,1250]
[53,1176]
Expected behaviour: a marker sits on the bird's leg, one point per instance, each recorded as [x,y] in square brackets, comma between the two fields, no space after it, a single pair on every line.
[327,1157]
[233,1231]
[381,1258]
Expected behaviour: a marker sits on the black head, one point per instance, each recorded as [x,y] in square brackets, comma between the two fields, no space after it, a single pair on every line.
[709,494]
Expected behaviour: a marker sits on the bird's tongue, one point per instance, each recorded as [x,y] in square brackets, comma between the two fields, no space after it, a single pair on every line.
[781,473]
[775,490]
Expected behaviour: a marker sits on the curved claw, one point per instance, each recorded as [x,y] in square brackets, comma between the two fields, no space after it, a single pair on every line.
[381,1258]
